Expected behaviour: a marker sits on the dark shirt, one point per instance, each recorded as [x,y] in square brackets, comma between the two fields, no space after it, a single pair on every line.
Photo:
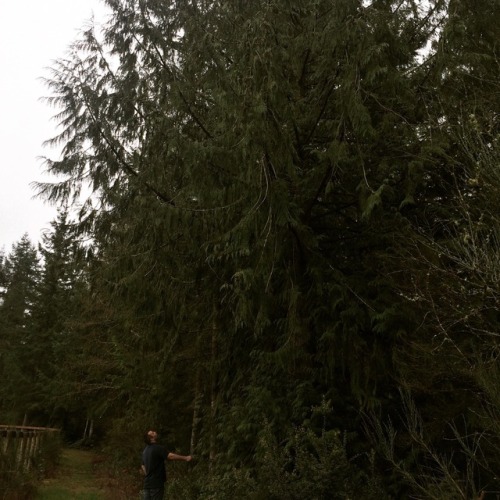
[153,459]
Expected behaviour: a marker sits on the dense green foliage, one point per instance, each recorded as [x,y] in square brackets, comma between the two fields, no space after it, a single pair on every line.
[291,264]
[21,274]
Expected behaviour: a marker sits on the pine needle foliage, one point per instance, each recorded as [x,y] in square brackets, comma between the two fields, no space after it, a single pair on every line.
[282,201]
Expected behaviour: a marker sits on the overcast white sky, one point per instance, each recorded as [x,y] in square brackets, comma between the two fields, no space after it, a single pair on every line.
[33,33]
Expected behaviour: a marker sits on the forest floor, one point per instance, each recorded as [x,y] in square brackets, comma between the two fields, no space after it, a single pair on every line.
[82,475]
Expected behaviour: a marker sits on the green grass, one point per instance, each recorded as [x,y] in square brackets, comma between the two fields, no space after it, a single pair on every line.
[64,494]
[75,479]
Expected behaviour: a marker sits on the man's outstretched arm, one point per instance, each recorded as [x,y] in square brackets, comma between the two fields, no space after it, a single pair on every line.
[174,456]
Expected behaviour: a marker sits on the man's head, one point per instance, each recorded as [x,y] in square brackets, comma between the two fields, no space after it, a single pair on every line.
[150,437]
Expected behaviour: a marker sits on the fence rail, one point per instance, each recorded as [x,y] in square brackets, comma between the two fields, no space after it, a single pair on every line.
[20,445]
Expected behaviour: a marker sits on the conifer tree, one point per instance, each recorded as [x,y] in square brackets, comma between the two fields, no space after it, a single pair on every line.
[272,187]
[61,282]
[3,275]
[18,334]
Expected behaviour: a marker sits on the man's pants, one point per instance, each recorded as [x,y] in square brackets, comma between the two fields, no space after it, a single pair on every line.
[153,494]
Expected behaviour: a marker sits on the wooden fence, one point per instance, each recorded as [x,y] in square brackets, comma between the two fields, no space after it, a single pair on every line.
[21,445]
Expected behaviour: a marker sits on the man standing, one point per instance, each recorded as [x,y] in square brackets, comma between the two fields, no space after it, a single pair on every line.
[153,466]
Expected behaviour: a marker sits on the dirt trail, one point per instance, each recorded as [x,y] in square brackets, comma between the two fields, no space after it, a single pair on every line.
[75,479]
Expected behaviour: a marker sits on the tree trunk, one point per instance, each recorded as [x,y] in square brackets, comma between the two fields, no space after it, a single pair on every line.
[196,413]
[213,389]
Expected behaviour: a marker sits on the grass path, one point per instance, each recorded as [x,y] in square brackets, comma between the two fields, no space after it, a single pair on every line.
[76,479]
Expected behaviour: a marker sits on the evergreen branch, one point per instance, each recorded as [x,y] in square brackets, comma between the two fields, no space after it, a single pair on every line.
[321,188]
[193,115]
[304,67]
[344,283]
[323,109]
[392,111]
[174,79]
[119,155]
[324,181]
[270,166]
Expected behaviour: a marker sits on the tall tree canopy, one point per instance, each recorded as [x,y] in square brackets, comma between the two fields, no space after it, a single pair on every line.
[290,203]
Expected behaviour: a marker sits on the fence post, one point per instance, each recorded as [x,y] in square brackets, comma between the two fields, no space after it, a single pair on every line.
[23,444]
